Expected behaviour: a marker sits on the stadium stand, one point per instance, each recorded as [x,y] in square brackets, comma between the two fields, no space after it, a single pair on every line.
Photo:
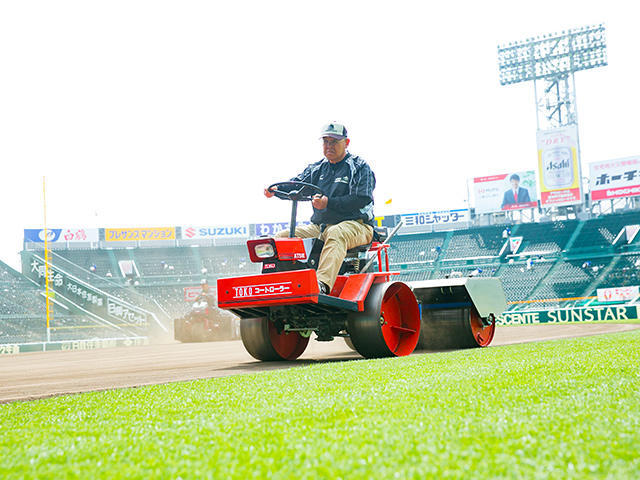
[557,261]
[85,259]
[625,273]
[600,232]
[545,237]
[480,242]
[19,295]
[519,282]
[23,313]
[416,248]
[569,279]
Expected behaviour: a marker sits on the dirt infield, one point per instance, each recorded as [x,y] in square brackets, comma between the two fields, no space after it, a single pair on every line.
[37,375]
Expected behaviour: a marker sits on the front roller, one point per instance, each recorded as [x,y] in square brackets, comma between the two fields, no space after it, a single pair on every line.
[454,329]
[390,323]
[263,342]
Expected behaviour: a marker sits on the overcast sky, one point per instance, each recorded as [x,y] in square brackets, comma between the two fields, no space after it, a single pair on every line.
[154,113]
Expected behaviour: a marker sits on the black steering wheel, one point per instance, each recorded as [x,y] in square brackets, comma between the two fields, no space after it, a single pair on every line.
[296,191]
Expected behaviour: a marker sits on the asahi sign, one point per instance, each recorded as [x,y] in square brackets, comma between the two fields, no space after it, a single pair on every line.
[570,315]
[559,167]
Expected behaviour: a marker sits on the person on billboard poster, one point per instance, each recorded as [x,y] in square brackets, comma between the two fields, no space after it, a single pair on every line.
[516,194]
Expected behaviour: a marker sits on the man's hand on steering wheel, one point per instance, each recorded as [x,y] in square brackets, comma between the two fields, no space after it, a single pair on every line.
[297,191]
[320,202]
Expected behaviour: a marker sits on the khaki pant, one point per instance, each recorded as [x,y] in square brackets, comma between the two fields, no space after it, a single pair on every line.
[337,240]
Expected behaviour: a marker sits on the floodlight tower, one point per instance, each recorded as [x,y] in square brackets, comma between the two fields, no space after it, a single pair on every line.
[550,61]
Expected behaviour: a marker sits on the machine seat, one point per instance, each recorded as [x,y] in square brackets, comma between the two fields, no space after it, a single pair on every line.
[380,234]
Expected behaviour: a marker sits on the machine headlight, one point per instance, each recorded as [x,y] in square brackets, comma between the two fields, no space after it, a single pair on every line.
[264,250]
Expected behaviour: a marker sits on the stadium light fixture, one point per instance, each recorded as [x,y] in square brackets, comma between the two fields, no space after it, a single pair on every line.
[550,60]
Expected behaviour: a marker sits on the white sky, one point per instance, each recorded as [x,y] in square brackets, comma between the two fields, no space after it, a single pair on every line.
[153,113]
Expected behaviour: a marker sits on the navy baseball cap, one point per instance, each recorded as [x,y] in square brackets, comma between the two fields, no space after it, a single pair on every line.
[334,130]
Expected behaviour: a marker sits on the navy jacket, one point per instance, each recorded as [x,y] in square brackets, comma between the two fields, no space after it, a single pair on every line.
[349,186]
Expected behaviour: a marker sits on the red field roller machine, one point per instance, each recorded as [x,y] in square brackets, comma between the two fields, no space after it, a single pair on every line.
[377,316]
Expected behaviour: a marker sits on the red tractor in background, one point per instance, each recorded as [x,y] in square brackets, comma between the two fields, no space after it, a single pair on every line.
[377,316]
[204,322]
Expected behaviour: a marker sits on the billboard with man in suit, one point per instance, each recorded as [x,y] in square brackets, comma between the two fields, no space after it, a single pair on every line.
[510,191]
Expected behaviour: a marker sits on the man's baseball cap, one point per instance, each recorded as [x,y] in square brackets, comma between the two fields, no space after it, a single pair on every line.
[334,130]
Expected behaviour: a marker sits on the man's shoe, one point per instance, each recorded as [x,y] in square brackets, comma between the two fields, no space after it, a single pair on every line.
[323,288]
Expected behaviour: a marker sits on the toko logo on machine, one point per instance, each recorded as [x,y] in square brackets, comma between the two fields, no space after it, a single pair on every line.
[266,290]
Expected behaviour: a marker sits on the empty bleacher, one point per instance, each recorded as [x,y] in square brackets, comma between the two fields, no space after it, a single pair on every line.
[87,258]
[18,296]
[545,238]
[569,279]
[625,273]
[163,261]
[416,248]
[474,243]
[519,282]
[600,232]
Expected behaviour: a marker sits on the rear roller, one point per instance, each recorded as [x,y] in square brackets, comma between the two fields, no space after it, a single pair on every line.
[455,329]
[390,323]
[263,342]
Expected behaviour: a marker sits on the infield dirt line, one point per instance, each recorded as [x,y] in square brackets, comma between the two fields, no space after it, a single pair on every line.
[31,376]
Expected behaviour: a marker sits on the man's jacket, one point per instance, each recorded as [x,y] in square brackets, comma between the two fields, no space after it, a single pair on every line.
[349,186]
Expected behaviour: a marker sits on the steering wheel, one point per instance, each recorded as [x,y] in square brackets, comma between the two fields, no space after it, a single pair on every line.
[297,191]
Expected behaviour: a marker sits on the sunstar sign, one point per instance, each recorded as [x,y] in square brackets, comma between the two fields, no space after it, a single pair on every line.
[569,315]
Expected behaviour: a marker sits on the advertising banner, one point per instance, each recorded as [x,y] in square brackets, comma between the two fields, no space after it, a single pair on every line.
[615,178]
[139,234]
[91,344]
[220,231]
[270,229]
[618,294]
[559,167]
[62,235]
[510,191]
[568,315]
[416,222]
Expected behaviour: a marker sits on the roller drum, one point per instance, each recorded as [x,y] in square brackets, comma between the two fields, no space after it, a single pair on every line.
[457,328]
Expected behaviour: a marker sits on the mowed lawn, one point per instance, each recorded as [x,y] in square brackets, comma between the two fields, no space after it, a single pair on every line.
[561,409]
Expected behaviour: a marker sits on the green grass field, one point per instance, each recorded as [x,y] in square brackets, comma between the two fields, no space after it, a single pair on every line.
[562,409]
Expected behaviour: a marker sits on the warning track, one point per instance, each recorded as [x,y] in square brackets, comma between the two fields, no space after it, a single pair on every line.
[31,376]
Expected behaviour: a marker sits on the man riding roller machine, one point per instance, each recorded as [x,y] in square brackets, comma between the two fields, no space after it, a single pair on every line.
[300,291]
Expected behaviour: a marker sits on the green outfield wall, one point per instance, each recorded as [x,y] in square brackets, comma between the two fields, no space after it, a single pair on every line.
[600,313]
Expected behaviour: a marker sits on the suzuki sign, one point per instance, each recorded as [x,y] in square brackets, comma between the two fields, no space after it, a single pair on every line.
[228,231]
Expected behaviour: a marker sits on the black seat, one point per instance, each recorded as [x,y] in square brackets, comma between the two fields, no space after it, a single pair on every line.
[380,234]
[352,252]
